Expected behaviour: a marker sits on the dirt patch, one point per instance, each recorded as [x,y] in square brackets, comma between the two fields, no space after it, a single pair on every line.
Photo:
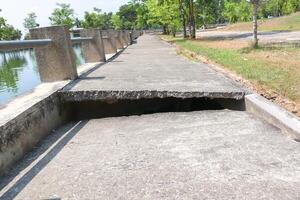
[284,58]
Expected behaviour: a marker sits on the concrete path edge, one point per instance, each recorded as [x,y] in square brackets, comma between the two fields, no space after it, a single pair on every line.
[274,114]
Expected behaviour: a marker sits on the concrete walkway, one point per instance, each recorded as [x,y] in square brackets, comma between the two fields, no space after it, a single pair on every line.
[198,155]
[150,69]
[210,154]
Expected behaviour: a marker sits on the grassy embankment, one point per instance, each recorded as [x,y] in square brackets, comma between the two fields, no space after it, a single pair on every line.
[286,23]
[273,72]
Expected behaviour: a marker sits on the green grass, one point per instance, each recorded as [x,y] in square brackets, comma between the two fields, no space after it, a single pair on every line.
[283,81]
[233,60]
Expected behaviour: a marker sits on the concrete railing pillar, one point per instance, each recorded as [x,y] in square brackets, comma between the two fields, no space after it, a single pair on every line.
[120,41]
[113,38]
[125,37]
[128,33]
[94,50]
[109,42]
[55,61]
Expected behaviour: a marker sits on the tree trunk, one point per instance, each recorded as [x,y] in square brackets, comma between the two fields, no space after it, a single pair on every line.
[164,30]
[190,28]
[181,10]
[255,38]
[192,20]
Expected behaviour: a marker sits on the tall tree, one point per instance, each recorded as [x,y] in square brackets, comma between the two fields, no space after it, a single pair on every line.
[94,19]
[116,21]
[63,15]
[97,19]
[8,32]
[255,8]
[164,13]
[192,23]
[29,23]
[182,15]
[142,15]
[128,14]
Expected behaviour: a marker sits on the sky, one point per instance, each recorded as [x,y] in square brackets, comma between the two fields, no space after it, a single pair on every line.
[14,11]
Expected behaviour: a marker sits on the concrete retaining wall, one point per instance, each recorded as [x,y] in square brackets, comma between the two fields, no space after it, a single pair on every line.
[21,134]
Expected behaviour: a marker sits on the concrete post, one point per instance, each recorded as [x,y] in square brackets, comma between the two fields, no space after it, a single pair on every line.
[131,39]
[125,38]
[109,42]
[94,50]
[55,61]
[113,38]
[128,37]
[120,41]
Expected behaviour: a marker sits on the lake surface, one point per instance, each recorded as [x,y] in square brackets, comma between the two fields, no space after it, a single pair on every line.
[19,73]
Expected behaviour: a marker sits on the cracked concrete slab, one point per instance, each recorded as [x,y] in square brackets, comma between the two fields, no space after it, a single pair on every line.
[151,68]
[198,155]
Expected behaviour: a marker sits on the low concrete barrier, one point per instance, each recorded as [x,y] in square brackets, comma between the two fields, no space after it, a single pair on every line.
[28,119]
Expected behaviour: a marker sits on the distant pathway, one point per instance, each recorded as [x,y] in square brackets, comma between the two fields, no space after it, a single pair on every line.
[268,36]
[151,68]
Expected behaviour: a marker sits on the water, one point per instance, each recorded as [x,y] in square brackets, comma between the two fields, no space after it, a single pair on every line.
[19,73]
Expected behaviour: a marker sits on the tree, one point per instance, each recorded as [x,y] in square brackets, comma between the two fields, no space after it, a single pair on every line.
[63,15]
[8,32]
[142,16]
[93,19]
[97,19]
[116,21]
[192,24]
[182,15]
[29,23]
[165,13]
[235,11]
[107,20]
[128,15]
[255,8]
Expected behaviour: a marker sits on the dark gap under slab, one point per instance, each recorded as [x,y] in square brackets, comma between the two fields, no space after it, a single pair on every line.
[113,108]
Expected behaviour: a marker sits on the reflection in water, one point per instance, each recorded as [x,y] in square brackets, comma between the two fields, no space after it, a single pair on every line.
[79,54]
[19,73]
[9,70]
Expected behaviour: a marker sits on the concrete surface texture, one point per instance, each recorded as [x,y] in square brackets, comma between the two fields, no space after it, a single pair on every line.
[198,155]
[267,36]
[152,68]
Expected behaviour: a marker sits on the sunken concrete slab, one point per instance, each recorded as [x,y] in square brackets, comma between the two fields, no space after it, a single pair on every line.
[148,69]
[198,155]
